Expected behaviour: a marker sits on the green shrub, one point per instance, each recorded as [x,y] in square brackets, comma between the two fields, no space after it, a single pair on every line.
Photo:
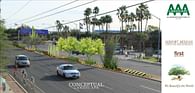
[90,62]
[73,59]
[113,64]
[109,61]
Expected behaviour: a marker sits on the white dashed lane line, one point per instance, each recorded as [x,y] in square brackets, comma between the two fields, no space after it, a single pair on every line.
[157,91]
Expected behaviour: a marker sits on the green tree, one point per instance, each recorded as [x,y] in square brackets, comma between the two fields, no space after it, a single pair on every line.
[99,23]
[4,44]
[87,20]
[178,71]
[141,38]
[60,43]
[91,47]
[94,19]
[122,15]
[12,33]
[59,27]
[142,13]
[66,30]
[130,19]
[33,38]
[102,21]
[147,17]
[107,21]
[70,44]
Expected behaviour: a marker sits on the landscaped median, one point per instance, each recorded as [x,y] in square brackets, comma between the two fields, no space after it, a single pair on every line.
[127,71]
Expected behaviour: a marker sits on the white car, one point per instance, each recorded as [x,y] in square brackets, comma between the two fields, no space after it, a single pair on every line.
[68,71]
[22,60]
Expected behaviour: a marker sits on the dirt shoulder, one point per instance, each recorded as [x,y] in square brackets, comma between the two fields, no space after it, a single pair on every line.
[14,86]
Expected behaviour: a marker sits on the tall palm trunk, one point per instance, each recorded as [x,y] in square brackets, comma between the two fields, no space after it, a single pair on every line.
[138,28]
[141,25]
[146,24]
[122,25]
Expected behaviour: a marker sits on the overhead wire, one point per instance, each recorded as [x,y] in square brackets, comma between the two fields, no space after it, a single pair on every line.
[39,14]
[101,14]
[19,10]
[60,11]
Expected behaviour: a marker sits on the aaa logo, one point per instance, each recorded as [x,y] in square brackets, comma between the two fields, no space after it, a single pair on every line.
[178,10]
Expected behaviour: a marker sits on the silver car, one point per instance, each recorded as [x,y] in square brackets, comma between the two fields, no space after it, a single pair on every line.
[22,60]
[68,71]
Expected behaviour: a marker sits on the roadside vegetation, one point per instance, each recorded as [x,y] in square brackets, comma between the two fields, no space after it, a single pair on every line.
[4,43]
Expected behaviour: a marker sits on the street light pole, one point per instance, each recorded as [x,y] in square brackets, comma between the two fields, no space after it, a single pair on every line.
[158,36]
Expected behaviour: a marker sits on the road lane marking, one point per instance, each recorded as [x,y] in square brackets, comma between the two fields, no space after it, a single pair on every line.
[39,89]
[108,87]
[150,88]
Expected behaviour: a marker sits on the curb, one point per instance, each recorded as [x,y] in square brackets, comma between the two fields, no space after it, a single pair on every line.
[141,74]
[18,83]
[158,64]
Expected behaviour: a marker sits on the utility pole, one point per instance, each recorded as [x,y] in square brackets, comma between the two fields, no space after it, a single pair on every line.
[159,53]
[0,9]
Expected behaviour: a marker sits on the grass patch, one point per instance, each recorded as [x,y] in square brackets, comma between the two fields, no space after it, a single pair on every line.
[150,59]
[72,58]
[90,62]
[3,63]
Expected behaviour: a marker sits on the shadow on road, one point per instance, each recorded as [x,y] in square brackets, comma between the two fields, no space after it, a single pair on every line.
[85,69]
[42,59]
[55,78]
[11,66]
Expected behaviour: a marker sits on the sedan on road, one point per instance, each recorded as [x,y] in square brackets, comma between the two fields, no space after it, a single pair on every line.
[22,60]
[67,71]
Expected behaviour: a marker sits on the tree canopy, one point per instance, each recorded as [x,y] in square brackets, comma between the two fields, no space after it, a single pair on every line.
[178,70]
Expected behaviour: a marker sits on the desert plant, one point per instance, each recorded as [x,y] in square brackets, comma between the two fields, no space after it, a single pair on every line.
[109,61]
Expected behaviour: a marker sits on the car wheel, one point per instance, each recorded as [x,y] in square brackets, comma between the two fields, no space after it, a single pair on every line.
[16,65]
[58,73]
[64,75]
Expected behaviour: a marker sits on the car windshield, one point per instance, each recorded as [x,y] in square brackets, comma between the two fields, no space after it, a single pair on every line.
[22,58]
[68,68]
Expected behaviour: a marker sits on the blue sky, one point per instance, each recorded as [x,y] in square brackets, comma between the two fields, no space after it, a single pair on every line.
[9,7]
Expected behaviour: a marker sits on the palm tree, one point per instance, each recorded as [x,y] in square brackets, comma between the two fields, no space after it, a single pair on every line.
[87,13]
[141,13]
[130,19]
[95,12]
[59,27]
[122,15]
[131,27]
[99,23]
[66,30]
[102,22]
[94,22]
[108,20]
[147,16]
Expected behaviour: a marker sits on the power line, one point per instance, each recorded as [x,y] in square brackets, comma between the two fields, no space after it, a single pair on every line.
[103,13]
[60,11]
[20,9]
[33,0]
[47,11]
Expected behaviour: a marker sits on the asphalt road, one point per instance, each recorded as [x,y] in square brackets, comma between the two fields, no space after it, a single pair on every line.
[140,66]
[43,68]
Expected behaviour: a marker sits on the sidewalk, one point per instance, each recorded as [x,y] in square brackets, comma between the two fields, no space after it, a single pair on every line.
[13,86]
